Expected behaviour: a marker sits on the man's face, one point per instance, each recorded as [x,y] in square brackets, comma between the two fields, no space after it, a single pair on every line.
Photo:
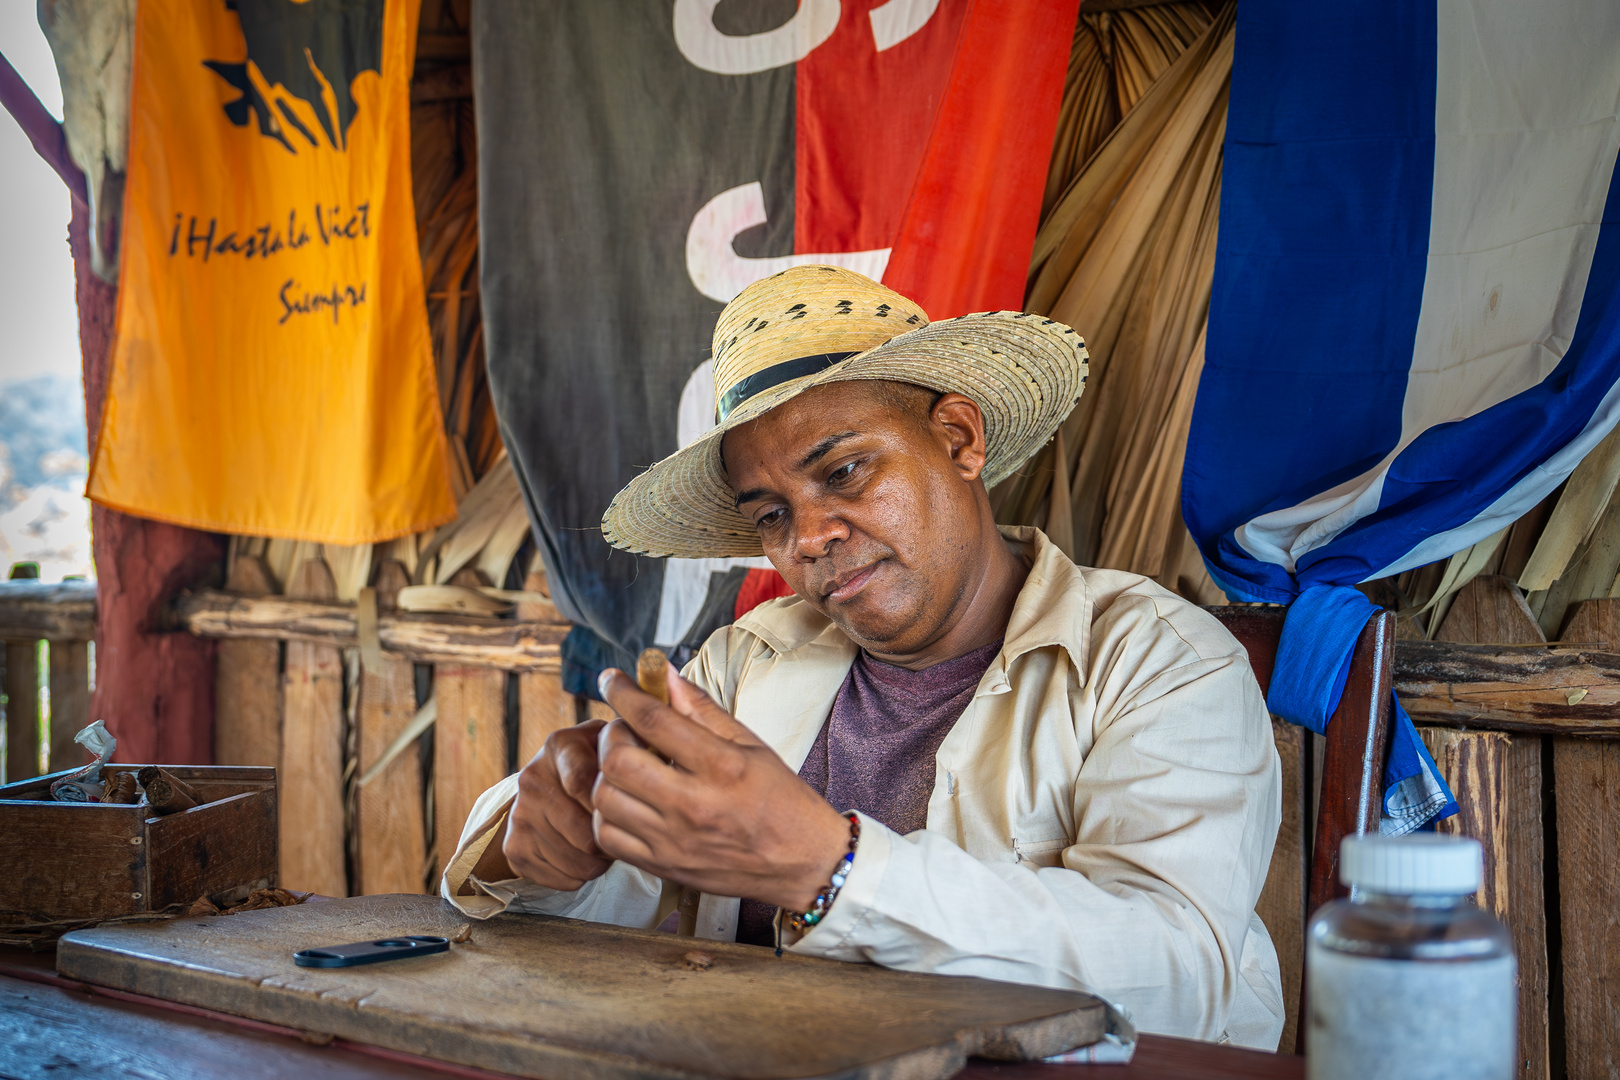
[868,502]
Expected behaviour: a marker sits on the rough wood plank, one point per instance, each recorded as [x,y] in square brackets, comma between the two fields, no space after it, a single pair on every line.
[469,747]
[247,683]
[1497,781]
[311,774]
[1506,689]
[70,701]
[423,638]
[1282,901]
[22,710]
[1586,778]
[1489,609]
[65,611]
[391,832]
[543,997]
[543,705]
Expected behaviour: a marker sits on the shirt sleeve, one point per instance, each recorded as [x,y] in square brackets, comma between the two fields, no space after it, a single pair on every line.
[1176,808]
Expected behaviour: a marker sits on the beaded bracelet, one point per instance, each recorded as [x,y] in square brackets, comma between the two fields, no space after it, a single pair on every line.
[803,921]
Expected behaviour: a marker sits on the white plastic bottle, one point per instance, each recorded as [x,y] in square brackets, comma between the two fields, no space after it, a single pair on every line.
[1408,980]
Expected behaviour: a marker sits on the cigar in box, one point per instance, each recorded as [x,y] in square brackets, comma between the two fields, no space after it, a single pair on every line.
[166,793]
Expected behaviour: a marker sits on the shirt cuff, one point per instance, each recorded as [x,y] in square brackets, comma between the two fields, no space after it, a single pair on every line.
[466,892]
[856,899]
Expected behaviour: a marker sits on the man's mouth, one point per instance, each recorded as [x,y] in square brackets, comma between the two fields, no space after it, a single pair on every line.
[846,586]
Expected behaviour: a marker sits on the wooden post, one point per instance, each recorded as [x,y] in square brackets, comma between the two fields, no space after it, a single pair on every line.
[155,689]
[70,701]
[469,741]
[1497,780]
[1586,784]
[543,705]
[22,710]
[1282,901]
[247,682]
[390,830]
[311,773]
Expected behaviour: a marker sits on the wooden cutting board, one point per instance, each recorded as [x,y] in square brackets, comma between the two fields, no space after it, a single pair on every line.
[559,999]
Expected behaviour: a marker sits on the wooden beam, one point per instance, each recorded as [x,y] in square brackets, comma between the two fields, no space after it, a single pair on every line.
[1497,780]
[390,829]
[469,742]
[22,710]
[1282,900]
[1586,793]
[70,701]
[311,773]
[1554,691]
[430,639]
[247,683]
[543,705]
[60,612]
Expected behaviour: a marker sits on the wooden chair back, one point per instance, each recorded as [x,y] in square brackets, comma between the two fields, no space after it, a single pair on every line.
[1347,773]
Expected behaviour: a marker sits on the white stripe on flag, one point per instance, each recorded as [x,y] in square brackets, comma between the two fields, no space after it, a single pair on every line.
[1526,132]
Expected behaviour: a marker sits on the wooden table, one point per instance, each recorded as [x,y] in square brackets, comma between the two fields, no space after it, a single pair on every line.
[55,1029]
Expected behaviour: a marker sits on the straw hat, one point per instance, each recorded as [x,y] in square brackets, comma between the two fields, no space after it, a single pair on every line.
[812,325]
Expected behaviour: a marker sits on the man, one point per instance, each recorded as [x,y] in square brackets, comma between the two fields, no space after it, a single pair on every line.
[1057,775]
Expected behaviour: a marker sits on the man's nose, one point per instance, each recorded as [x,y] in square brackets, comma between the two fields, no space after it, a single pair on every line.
[818,530]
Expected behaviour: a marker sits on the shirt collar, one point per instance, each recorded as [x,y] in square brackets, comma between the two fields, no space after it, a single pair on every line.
[1053,608]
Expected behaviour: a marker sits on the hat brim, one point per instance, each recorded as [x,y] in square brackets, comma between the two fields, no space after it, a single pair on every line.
[1025,372]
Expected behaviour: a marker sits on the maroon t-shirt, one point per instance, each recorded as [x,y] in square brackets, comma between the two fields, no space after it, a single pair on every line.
[876,751]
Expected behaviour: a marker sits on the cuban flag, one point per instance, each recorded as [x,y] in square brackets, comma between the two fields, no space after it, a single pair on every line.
[1414,332]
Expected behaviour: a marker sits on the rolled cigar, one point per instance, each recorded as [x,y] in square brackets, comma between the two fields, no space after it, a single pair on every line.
[120,788]
[651,674]
[166,793]
[151,771]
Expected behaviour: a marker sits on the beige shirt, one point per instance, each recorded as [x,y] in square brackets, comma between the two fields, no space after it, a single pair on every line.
[1102,815]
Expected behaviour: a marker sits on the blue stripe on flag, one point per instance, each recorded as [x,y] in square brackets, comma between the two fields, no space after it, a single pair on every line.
[1438,483]
[1325,202]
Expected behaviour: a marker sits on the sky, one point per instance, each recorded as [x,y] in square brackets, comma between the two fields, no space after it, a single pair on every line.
[43,515]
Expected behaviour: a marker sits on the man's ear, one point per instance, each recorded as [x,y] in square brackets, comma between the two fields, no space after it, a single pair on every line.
[959,418]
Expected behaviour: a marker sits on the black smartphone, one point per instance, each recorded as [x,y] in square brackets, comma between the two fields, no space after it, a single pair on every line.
[371,952]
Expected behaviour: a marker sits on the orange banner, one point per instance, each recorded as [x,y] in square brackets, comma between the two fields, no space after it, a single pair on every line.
[272,373]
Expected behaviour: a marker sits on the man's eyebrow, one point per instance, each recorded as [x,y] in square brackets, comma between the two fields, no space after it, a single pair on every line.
[825,447]
[817,452]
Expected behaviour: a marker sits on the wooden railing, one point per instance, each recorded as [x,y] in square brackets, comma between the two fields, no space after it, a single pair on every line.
[386,725]
[48,632]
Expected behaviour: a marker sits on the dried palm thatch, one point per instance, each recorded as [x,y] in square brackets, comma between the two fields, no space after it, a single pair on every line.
[1126,252]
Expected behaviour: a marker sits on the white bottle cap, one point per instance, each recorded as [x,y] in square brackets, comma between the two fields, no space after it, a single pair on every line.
[1417,864]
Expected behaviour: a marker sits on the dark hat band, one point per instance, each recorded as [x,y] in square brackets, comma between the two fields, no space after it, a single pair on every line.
[776,375]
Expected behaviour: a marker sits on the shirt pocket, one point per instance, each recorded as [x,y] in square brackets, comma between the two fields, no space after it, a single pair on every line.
[1040,853]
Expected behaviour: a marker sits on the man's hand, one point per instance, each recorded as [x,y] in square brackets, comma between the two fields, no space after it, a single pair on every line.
[548,833]
[689,794]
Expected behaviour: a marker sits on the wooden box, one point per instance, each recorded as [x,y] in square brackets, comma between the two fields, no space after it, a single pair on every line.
[61,861]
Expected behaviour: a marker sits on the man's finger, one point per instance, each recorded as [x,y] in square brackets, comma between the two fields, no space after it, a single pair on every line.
[624,845]
[618,807]
[537,852]
[576,764]
[689,699]
[682,740]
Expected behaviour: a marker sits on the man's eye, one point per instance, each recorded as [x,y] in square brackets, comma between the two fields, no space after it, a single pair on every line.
[766,520]
[842,473]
